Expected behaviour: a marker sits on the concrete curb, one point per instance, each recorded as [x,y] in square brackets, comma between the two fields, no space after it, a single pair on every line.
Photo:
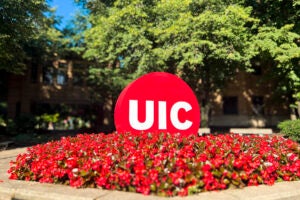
[24,190]
[36,191]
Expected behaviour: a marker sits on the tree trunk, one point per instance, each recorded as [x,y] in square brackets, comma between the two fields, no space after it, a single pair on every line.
[205,115]
[293,114]
[298,109]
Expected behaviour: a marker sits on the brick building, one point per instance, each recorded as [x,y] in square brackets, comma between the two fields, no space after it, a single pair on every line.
[62,85]
[50,83]
[52,87]
[248,101]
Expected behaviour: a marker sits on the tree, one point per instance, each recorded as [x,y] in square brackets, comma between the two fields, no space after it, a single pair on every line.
[276,13]
[277,50]
[205,42]
[20,21]
[74,32]
[203,46]
[47,44]
[106,84]
[207,47]
[276,46]
[27,34]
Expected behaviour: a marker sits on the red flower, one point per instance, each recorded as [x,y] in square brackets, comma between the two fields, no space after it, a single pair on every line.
[160,163]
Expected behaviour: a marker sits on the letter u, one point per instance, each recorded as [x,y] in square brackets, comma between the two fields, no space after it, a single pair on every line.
[133,115]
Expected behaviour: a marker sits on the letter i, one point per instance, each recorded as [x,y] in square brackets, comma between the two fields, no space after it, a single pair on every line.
[162,115]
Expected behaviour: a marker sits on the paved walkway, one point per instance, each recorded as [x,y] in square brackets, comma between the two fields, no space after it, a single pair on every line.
[36,191]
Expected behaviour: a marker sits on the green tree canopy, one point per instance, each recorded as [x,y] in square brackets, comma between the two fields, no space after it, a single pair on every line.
[26,30]
[172,36]
[277,51]
[276,13]
[204,41]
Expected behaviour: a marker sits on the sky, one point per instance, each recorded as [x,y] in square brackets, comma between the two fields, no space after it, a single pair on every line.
[65,9]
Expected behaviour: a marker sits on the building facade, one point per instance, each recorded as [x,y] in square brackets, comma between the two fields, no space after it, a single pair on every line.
[61,86]
[248,101]
[54,87]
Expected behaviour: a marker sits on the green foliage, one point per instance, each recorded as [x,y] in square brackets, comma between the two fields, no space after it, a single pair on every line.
[276,13]
[276,44]
[279,54]
[26,33]
[49,117]
[25,123]
[97,6]
[204,41]
[108,82]
[2,121]
[74,32]
[171,36]
[19,22]
[290,128]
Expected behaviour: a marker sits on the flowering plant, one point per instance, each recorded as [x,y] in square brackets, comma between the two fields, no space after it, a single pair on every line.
[160,163]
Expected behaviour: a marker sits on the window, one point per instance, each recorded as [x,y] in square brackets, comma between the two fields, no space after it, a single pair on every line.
[258,105]
[51,74]
[48,74]
[230,105]
[79,74]
[61,76]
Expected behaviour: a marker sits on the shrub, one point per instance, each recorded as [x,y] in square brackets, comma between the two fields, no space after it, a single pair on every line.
[2,121]
[2,125]
[291,128]
[162,164]
[25,123]
[49,117]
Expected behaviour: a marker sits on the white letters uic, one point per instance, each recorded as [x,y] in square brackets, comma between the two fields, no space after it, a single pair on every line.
[162,115]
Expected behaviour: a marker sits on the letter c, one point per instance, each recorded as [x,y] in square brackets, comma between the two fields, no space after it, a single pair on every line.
[174,115]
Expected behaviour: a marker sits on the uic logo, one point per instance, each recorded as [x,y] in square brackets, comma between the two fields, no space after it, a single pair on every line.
[162,115]
[157,101]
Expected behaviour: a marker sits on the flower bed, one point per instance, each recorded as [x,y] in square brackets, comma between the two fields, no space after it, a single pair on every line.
[161,164]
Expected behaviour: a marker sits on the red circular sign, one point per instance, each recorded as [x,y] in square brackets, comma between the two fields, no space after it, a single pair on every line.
[157,102]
